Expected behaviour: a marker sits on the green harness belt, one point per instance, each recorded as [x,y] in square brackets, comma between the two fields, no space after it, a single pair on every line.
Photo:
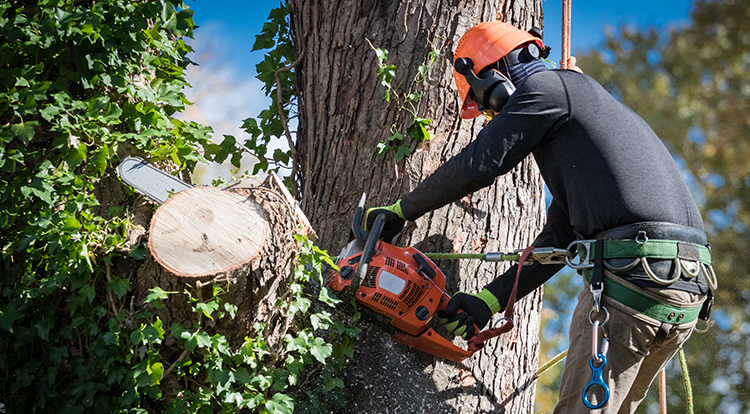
[640,301]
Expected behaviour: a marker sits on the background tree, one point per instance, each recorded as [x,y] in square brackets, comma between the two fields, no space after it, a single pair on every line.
[692,85]
[375,77]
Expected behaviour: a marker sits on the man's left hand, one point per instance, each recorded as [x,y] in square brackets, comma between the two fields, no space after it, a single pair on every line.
[394,220]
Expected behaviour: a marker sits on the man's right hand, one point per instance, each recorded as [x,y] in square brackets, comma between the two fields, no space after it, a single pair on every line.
[477,309]
[394,220]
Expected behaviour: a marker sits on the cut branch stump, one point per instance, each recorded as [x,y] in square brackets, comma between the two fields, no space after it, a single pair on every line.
[241,239]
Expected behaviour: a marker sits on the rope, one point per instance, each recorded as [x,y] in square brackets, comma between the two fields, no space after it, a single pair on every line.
[478,256]
[551,363]
[686,378]
[663,391]
[566,8]
[567,61]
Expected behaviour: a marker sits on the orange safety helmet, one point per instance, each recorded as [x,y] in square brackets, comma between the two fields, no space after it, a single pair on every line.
[485,44]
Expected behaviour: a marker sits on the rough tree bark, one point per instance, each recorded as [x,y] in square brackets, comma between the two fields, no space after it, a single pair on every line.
[342,117]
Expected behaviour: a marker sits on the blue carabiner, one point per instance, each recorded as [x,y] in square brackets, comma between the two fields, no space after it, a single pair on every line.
[596,379]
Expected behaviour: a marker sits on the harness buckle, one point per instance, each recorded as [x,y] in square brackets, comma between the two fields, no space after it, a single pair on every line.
[596,292]
[586,260]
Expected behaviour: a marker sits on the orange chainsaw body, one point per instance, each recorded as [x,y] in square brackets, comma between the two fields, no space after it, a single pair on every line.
[405,287]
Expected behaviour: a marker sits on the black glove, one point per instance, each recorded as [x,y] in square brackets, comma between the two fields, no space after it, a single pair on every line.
[394,220]
[477,309]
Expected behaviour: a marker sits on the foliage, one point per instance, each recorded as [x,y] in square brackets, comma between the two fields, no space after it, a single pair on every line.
[418,128]
[275,36]
[81,85]
[298,374]
[692,86]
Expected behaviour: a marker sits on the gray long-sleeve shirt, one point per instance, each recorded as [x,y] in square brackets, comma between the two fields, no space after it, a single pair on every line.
[604,166]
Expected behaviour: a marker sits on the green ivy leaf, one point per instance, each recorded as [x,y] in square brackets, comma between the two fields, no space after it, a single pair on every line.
[326,296]
[321,350]
[333,383]
[386,74]
[203,340]
[382,55]
[156,293]
[40,188]
[156,371]
[231,309]
[138,252]
[119,286]
[207,308]
[418,129]
[280,404]
[401,152]
[24,131]
[382,148]
[263,41]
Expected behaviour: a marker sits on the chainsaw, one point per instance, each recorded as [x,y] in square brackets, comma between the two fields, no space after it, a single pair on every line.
[399,288]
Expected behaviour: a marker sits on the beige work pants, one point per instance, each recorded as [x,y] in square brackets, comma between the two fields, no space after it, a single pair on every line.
[635,354]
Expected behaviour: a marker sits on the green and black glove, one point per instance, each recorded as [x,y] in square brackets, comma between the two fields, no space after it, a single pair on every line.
[477,309]
[394,220]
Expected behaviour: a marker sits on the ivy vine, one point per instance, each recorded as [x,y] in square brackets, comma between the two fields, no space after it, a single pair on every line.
[407,102]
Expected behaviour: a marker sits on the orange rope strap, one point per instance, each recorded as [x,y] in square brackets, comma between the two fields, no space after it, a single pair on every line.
[567,61]
[663,391]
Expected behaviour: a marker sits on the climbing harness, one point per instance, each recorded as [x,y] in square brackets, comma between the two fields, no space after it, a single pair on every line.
[689,258]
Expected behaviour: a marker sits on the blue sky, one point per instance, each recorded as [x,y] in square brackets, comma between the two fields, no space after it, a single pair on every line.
[237,22]
[226,92]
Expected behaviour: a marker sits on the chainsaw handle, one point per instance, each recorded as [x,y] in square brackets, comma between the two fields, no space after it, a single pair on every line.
[444,304]
[357,229]
[369,249]
[476,328]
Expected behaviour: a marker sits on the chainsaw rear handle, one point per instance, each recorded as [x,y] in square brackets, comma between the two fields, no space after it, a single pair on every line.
[444,304]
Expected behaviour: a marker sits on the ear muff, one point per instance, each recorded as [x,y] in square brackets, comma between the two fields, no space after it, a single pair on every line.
[491,89]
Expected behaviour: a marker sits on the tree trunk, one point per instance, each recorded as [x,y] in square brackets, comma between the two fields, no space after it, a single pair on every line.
[343,115]
[241,241]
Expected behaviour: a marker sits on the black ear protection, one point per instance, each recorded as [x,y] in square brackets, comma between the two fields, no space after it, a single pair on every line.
[491,89]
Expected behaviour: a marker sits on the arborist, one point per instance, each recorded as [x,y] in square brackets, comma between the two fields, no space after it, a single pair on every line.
[619,202]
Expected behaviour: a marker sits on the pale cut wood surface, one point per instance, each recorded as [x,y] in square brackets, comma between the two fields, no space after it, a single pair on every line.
[205,230]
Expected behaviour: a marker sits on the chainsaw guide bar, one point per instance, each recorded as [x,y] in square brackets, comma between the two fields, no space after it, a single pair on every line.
[148,180]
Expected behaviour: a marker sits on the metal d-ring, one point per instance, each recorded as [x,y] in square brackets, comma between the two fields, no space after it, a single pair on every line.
[657,279]
[709,324]
[617,269]
[686,269]
[708,272]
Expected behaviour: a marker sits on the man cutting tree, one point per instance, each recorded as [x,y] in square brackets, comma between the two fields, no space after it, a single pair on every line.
[619,200]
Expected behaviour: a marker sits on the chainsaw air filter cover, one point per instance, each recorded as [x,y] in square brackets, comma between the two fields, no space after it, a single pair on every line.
[400,284]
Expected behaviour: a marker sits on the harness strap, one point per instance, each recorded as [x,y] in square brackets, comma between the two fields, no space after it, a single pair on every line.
[645,303]
[655,249]
[598,273]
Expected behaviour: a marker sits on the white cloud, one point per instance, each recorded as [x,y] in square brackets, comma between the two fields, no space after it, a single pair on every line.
[224,95]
